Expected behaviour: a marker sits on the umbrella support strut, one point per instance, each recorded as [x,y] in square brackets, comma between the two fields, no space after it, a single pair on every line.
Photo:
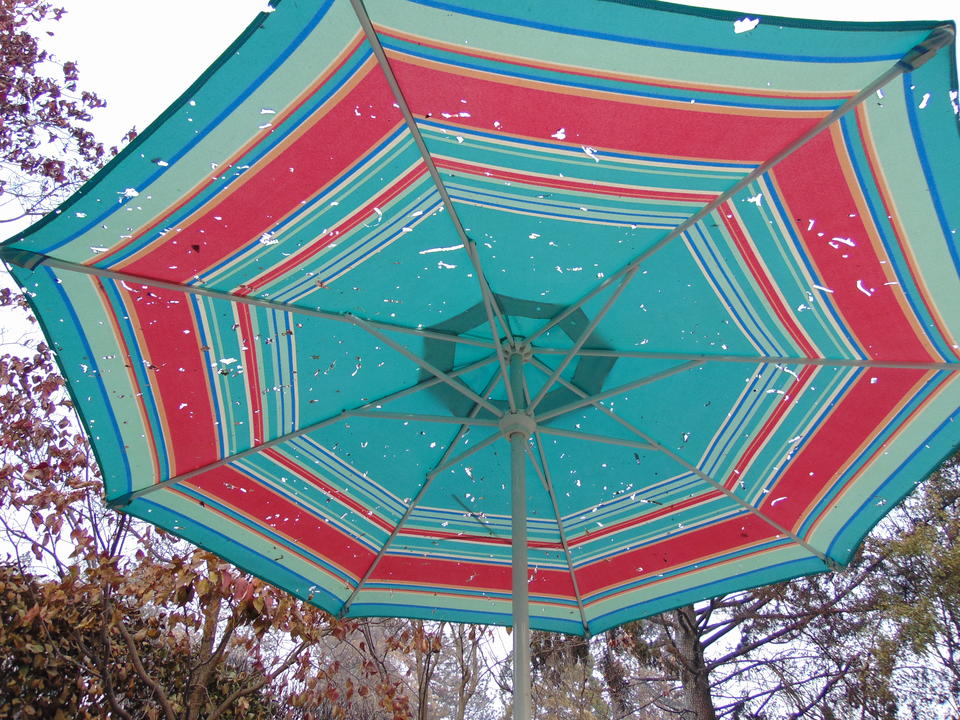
[517,427]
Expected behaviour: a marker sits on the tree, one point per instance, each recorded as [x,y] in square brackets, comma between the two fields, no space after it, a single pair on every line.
[46,148]
[565,682]
[50,633]
[917,595]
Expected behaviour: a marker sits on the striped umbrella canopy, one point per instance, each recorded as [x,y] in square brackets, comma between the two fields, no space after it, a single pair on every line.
[403,297]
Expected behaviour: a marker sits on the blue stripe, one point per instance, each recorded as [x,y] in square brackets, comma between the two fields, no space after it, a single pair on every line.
[612,510]
[532,200]
[562,216]
[304,287]
[327,271]
[138,366]
[320,455]
[660,162]
[732,433]
[772,348]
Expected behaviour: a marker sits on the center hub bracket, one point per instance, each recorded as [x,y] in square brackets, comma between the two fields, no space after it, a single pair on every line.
[517,423]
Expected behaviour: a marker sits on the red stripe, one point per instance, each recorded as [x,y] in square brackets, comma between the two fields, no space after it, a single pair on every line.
[346,225]
[177,370]
[826,455]
[274,511]
[429,572]
[813,185]
[621,124]
[251,372]
[322,153]
[233,159]
[678,551]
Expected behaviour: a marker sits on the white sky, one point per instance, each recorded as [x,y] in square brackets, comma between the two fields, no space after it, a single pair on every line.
[140,55]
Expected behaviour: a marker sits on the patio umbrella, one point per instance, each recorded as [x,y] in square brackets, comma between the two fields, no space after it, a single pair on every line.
[488,311]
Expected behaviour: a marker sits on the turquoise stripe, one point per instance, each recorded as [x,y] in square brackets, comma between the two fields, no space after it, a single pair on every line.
[594,20]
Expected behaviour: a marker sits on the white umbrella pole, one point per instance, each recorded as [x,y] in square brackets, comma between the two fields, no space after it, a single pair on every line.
[521,609]
[517,428]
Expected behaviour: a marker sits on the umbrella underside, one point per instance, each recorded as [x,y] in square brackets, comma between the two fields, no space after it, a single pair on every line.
[286,312]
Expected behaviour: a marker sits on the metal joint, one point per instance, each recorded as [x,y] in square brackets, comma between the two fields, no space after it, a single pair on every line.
[517,423]
[938,38]
[26,259]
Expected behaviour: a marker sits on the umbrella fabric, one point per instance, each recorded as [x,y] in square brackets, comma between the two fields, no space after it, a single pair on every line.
[285,352]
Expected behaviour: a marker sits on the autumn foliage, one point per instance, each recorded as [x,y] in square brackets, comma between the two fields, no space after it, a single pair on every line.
[46,148]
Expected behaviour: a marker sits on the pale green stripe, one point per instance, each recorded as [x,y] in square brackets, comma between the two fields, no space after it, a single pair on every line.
[111,361]
[912,204]
[542,46]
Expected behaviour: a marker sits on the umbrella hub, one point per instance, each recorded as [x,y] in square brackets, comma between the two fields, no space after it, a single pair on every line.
[518,348]
[517,423]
